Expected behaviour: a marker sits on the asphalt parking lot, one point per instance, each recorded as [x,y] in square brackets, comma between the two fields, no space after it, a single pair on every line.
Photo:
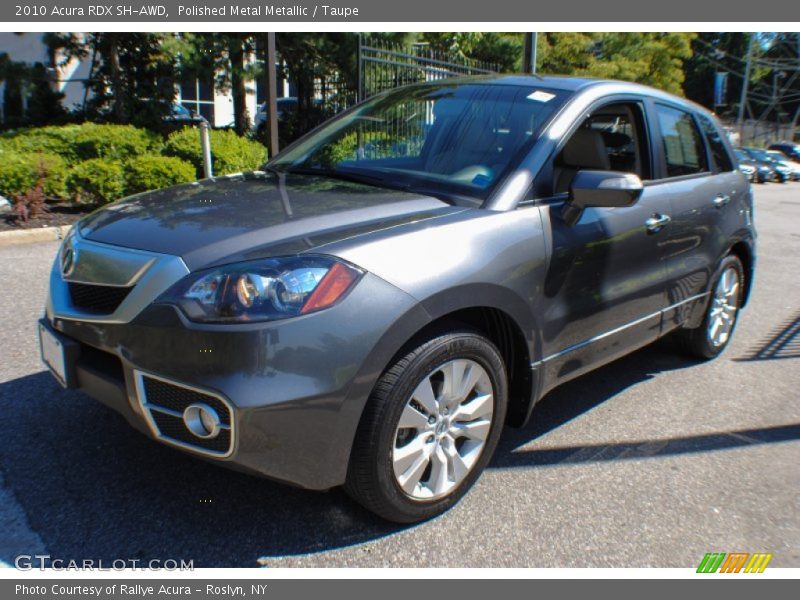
[653,460]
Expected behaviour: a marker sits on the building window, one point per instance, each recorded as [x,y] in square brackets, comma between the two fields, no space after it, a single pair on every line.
[198,96]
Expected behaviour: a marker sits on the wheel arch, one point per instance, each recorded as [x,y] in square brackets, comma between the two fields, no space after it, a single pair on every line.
[496,311]
[743,250]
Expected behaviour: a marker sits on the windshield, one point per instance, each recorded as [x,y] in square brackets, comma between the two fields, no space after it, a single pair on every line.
[457,139]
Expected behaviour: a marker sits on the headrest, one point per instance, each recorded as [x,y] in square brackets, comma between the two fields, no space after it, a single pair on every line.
[586,150]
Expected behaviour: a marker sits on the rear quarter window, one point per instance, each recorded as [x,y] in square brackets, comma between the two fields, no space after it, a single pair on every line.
[684,150]
[719,153]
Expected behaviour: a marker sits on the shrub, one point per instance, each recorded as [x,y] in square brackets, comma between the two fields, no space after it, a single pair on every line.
[50,140]
[20,173]
[96,181]
[116,142]
[82,142]
[152,172]
[229,152]
[31,204]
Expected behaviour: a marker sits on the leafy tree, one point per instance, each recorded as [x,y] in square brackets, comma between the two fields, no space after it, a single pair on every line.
[44,103]
[654,59]
[224,55]
[132,78]
[28,97]
[501,49]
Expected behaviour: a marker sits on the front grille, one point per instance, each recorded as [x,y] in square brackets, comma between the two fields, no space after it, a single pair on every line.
[164,403]
[176,398]
[173,428]
[97,299]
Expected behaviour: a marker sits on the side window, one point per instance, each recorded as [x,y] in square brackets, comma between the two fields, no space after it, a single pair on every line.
[684,151]
[612,138]
[719,153]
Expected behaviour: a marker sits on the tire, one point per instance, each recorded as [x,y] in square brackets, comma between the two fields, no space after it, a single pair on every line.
[701,342]
[384,454]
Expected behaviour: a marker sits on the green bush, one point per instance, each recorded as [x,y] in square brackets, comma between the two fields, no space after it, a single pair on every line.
[152,172]
[20,172]
[50,140]
[82,142]
[117,142]
[96,181]
[229,152]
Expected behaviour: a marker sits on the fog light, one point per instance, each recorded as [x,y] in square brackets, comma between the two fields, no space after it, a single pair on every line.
[202,420]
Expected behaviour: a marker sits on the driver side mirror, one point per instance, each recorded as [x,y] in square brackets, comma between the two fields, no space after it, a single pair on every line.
[609,189]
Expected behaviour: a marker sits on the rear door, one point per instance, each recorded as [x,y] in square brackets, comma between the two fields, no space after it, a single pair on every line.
[702,185]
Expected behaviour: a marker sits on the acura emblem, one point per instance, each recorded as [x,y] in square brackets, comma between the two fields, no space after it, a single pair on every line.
[69,258]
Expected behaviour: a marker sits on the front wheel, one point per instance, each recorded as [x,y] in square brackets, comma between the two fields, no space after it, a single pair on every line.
[430,427]
[715,332]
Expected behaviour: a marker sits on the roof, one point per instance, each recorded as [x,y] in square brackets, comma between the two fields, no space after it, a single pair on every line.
[556,82]
[577,84]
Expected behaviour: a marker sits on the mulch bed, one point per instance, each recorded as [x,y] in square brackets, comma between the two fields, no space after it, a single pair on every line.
[59,214]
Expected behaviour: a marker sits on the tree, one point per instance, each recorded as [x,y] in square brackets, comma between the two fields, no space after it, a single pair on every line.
[132,78]
[311,57]
[654,59]
[28,96]
[226,56]
[713,52]
[501,49]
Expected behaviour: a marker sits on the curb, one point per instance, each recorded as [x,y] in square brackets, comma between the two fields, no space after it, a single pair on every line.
[30,236]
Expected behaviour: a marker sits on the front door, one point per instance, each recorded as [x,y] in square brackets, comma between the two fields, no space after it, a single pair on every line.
[606,280]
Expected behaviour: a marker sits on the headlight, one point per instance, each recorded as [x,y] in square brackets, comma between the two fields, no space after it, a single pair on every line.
[263,290]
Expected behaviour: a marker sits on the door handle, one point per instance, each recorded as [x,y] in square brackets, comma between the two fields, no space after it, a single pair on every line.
[721,200]
[657,222]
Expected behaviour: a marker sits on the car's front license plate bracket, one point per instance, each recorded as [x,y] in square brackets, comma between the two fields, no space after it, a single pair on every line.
[59,354]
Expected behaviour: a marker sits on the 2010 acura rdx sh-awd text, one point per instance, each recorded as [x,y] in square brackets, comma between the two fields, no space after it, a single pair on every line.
[372,308]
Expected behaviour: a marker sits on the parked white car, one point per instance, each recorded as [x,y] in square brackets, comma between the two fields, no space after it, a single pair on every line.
[794,167]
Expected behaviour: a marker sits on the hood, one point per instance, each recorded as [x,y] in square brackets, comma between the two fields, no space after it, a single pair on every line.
[254,215]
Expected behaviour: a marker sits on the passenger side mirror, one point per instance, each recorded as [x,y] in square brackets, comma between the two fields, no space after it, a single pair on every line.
[610,189]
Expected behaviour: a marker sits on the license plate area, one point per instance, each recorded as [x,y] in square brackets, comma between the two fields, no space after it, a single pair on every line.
[59,354]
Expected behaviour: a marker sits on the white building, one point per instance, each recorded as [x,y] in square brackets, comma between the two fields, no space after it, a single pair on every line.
[200,95]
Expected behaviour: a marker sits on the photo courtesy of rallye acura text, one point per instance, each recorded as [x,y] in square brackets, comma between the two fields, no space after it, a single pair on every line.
[372,307]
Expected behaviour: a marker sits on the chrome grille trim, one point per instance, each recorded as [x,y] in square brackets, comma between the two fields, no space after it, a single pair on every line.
[149,408]
[150,274]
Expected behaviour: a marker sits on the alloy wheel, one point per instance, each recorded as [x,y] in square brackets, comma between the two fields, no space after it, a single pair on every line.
[723,308]
[443,429]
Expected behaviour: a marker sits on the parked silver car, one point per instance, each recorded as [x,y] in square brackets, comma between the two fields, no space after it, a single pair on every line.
[375,305]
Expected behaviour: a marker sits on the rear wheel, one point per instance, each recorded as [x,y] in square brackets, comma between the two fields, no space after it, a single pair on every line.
[430,427]
[715,332]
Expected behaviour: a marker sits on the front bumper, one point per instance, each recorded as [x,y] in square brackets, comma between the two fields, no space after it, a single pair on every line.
[295,388]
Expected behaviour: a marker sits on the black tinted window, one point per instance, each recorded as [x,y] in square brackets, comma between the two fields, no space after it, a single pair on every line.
[683,146]
[718,151]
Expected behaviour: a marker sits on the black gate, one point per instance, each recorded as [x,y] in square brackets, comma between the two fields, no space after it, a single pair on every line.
[383,66]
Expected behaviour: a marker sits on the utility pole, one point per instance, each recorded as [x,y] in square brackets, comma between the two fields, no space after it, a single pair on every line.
[745,85]
[529,57]
[272,102]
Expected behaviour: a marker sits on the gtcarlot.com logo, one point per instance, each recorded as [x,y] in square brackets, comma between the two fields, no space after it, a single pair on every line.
[27,562]
[735,562]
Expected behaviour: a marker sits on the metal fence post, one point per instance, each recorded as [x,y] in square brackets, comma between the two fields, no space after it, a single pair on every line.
[360,60]
[205,147]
